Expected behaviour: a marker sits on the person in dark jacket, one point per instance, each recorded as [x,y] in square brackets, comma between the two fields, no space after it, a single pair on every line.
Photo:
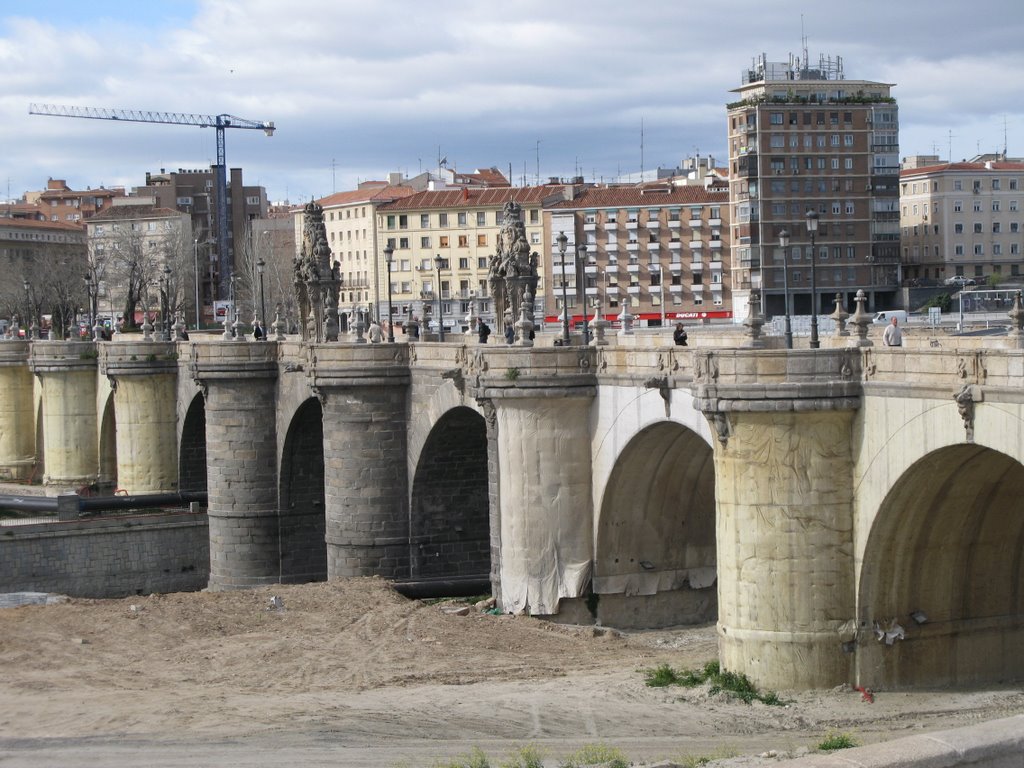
[483,331]
[679,335]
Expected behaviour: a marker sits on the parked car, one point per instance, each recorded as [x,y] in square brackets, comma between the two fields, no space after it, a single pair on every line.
[960,280]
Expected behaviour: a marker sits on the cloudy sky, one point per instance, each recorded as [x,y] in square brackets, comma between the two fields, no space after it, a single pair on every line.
[360,88]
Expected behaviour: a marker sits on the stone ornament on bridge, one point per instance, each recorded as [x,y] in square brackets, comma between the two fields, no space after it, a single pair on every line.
[862,321]
[754,322]
[1016,315]
[840,315]
[317,282]
[512,273]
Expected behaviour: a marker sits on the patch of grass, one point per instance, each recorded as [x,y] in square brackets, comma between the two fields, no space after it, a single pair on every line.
[595,754]
[512,374]
[475,759]
[834,741]
[695,761]
[525,757]
[736,685]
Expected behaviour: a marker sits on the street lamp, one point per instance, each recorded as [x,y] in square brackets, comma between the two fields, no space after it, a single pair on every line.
[812,229]
[562,241]
[28,306]
[389,255]
[260,264]
[581,280]
[166,319]
[784,243]
[439,262]
[195,265]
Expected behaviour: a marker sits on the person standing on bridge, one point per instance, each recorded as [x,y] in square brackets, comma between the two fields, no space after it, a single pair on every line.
[679,335]
[375,333]
[892,337]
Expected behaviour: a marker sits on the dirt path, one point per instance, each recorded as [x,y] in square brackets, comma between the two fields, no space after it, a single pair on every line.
[351,673]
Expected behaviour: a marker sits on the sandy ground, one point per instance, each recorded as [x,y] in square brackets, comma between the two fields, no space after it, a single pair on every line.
[353,674]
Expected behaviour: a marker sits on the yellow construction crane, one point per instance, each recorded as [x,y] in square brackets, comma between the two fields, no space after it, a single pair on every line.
[219,122]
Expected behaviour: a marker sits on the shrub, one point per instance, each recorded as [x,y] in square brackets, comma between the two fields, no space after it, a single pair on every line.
[834,741]
[736,685]
[596,754]
[525,757]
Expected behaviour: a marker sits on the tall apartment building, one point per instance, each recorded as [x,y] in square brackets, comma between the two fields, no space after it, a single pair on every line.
[195,192]
[461,226]
[663,246]
[802,138]
[961,219]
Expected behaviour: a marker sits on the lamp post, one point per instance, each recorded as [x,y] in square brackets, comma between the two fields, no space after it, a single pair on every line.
[581,267]
[439,262]
[166,319]
[389,255]
[812,229]
[195,265]
[28,305]
[88,298]
[260,264]
[784,243]
[562,242]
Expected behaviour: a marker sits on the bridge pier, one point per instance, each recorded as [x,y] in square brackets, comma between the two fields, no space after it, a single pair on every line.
[143,375]
[17,417]
[784,486]
[545,536]
[67,378]
[363,391]
[238,381]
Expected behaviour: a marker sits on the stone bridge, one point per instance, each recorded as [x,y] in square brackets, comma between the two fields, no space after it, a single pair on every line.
[809,501]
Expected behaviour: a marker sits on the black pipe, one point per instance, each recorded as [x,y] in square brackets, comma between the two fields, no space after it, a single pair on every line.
[49,504]
[455,586]
[143,501]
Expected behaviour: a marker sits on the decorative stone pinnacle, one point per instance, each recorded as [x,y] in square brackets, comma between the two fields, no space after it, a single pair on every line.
[754,321]
[840,316]
[862,320]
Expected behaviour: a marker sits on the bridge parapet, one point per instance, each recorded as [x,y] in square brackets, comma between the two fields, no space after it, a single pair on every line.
[939,371]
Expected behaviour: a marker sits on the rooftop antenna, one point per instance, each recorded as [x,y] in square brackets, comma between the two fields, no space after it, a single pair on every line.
[334,183]
[949,138]
[803,43]
[641,149]
[1005,147]
[538,162]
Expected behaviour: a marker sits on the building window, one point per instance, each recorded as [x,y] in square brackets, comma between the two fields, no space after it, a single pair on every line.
[995,184]
[997,249]
[463,241]
[424,242]
[424,220]
[848,163]
[995,206]
[403,242]
[481,262]
[848,140]
[442,219]
[462,218]
[443,241]
[958,250]
[977,206]
[481,219]
[776,118]
[958,205]
[958,229]
[979,249]
[463,262]
[996,227]
[958,185]
[481,240]
[403,221]
[977,227]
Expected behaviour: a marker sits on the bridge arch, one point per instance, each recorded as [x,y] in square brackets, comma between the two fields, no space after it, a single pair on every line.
[192,448]
[944,559]
[655,559]
[449,525]
[302,510]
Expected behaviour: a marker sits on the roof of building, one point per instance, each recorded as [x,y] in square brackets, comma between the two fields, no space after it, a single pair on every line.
[369,192]
[129,212]
[637,197]
[488,177]
[464,197]
[57,226]
[67,192]
[966,167]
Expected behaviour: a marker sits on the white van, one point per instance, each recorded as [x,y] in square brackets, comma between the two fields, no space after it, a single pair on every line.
[886,315]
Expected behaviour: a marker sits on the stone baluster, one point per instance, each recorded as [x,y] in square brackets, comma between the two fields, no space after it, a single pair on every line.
[840,315]
[754,322]
[862,321]
[625,319]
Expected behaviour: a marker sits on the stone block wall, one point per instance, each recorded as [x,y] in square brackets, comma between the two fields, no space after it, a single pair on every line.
[107,557]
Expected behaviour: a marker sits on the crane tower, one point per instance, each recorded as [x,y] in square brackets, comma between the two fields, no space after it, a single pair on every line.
[219,122]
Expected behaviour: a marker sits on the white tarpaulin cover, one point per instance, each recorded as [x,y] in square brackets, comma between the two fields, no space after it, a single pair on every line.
[545,504]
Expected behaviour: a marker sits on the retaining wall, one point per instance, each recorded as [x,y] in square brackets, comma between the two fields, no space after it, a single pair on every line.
[107,557]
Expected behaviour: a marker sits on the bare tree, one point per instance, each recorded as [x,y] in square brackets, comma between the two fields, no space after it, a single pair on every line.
[47,282]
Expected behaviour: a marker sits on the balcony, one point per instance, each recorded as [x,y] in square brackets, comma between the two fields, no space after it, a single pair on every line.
[590,269]
[632,224]
[654,267]
[654,247]
[695,223]
[697,287]
[570,267]
[696,266]
[591,291]
[653,224]
[633,268]
[590,226]
[675,223]
[717,222]
[612,290]
[676,267]
[633,246]
[611,224]
[634,290]
[675,245]
[717,244]
[675,289]
[716,265]
[696,244]
[611,247]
